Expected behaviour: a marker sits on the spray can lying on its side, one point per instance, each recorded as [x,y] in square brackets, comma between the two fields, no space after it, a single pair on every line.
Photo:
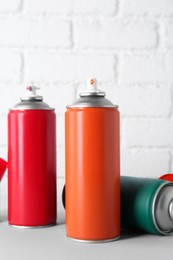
[147,204]
[167,177]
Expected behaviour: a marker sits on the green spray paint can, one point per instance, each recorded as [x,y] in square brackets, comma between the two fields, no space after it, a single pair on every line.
[147,204]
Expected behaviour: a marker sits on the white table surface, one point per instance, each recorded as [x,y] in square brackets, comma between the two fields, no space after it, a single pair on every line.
[51,243]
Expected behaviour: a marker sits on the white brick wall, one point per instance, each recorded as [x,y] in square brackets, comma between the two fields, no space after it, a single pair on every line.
[147,7]
[34,32]
[9,6]
[126,44]
[111,33]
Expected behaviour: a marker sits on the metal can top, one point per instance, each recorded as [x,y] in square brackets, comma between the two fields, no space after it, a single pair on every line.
[92,97]
[32,101]
[163,209]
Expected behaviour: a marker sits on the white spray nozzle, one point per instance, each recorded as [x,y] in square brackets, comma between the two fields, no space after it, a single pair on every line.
[32,90]
[92,89]
[92,84]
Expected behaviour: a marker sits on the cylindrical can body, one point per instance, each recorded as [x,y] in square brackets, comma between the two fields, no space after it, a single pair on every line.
[92,173]
[31,167]
[167,177]
[145,205]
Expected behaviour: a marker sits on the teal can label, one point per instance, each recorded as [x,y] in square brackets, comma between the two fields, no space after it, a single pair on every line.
[147,204]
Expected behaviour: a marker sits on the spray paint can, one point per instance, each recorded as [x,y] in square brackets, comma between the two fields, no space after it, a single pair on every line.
[167,177]
[147,204]
[31,162]
[92,167]
[3,167]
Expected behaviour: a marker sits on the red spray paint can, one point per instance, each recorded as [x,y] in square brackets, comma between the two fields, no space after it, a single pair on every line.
[31,162]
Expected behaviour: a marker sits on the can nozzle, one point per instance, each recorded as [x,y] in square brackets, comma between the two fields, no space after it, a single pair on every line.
[32,90]
[92,85]
[31,94]
[92,89]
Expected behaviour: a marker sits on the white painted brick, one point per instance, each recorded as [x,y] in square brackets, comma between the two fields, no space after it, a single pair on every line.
[69,67]
[3,198]
[169,33]
[115,34]
[148,132]
[3,149]
[171,170]
[38,66]
[10,66]
[58,96]
[50,6]
[147,68]
[95,7]
[147,101]
[102,66]
[145,163]
[11,94]
[3,130]
[9,5]
[61,162]
[49,32]
[60,130]
[144,7]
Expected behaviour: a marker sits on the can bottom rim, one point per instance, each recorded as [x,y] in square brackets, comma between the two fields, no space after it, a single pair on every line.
[93,241]
[33,227]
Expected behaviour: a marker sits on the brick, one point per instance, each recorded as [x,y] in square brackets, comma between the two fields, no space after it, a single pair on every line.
[3,197]
[3,151]
[47,32]
[10,66]
[9,5]
[11,95]
[147,68]
[115,34]
[58,96]
[147,101]
[3,130]
[60,130]
[147,7]
[50,6]
[169,33]
[102,66]
[150,163]
[69,67]
[94,7]
[38,66]
[61,161]
[148,132]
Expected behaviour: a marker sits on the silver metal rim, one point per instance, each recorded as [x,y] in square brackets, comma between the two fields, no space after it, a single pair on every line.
[32,227]
[33,108]
[37,98]
[171,210]
[88,106]
[163,232]
[94,94]
[93,241]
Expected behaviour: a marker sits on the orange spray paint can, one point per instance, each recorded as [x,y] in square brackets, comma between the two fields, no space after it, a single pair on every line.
[92,167]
